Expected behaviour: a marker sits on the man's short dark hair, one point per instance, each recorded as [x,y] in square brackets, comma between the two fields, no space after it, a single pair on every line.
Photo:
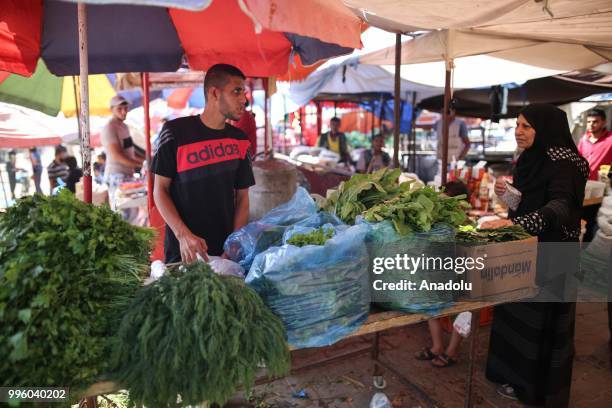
[597,112]
[59,149]
[218,76]
[102,155]
[377,135]
[335,119]
[12,153]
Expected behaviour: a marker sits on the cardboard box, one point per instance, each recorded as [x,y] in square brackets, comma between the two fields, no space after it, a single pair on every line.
[508,266]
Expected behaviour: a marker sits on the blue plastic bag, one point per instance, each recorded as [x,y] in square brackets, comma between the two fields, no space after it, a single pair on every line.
[320,292]
[299,207]
[384,241]
[243,245]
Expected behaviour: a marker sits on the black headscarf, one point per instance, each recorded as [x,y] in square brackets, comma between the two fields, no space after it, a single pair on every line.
[552,130]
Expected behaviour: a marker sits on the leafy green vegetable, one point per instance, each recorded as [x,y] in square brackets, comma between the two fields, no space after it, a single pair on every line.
[362,191]
[318,236]
[196,335]
[68,271]
[418,210]
[470,234]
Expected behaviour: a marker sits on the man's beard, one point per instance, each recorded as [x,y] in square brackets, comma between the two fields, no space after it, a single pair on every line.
[226,112]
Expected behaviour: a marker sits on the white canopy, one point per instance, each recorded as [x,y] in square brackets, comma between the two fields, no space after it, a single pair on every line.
[585,21]
[446,45]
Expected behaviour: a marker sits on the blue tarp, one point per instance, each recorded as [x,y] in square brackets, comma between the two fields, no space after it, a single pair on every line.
[405,115]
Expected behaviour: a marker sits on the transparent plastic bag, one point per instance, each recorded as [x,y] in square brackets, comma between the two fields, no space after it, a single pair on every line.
[463,324]
[380,400]
[224,266]
[320,292]
[243,245]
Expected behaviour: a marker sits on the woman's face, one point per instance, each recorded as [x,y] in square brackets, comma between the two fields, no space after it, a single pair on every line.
[524,133]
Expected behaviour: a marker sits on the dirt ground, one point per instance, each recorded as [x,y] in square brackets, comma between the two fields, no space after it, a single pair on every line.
[347,383]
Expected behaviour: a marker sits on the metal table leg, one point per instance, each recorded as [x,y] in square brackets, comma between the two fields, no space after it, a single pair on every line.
[468,401]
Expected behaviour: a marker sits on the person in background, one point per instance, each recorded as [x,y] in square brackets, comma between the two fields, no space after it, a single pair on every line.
[375,158]
[458,140]
[98,168]
[531,347]
[57,168]
[440,356]
[121,156]
[203,171]
[249,127]
[596,147]
[12,169]
[74,173]
[335,140]
[596,144]
[36,168]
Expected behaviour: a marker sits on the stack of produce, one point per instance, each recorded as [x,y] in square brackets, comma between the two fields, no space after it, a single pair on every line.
[363,191]
[470,235]
[68,273]
[419,210]
[318,236]
[406,219]
[317,285]
[410,206]
[195,336]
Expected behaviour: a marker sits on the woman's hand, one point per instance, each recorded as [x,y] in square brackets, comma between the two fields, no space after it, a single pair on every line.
[500,186]
[496,224]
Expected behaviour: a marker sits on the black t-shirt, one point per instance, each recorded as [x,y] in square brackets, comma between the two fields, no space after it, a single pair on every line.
[206,167]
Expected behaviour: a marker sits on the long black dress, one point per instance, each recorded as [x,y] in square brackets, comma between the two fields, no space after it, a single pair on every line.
[532,343]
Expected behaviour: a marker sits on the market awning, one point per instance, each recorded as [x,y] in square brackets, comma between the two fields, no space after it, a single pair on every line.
[554,90]
[585,20]
[350,78]
[136,38]
[25,128]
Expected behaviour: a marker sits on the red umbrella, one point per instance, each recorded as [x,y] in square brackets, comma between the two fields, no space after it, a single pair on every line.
[258,36]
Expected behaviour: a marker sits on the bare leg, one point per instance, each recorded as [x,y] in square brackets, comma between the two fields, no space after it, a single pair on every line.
[453,345]
[435,329]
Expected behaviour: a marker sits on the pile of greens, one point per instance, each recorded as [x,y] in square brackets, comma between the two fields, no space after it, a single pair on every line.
[362,191]
[418,210]
[197,336]
[470,234]
[409,206]
[68,272]
[317,236]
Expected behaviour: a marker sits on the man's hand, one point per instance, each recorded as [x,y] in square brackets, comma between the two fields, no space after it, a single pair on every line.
[500,186]
[496,224]
[191,245]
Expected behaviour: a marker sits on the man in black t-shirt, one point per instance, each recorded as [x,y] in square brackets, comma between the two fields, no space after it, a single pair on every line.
[203,171]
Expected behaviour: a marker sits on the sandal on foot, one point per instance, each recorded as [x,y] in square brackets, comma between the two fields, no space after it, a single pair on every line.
[507,391]
[443,361]
[425,354]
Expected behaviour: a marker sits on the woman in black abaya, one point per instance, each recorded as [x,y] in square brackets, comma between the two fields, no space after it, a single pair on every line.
[532,343]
